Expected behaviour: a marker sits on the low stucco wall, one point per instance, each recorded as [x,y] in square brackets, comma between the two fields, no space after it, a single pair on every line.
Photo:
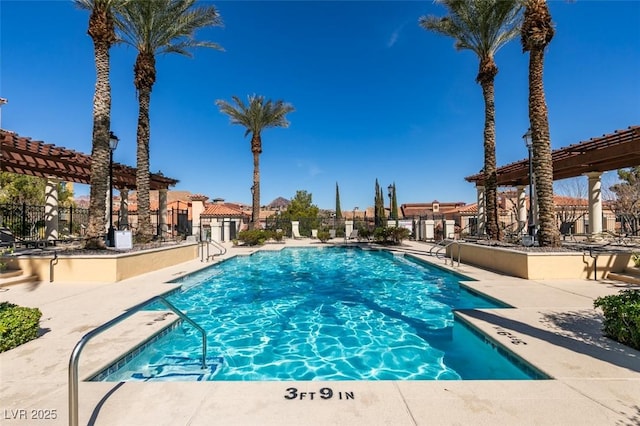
[540,266]
[103,268]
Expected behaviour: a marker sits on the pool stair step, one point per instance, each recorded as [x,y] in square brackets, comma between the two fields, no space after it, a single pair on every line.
[629,275]
[180,368]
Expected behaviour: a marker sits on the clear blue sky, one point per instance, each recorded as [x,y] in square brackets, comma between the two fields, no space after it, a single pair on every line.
[375,95]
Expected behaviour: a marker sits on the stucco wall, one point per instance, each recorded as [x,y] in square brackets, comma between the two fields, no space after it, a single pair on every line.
[104,268]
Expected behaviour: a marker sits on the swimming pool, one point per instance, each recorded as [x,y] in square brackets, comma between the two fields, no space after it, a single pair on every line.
[324,314]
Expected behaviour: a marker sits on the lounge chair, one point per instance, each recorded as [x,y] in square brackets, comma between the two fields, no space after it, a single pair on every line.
[314,233]
[332,233]
[295,231]
[353,235]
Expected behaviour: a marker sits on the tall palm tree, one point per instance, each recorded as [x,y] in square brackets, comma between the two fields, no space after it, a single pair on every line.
[101,30]
[482,26]
[536,34]
[156,27]
[257,115]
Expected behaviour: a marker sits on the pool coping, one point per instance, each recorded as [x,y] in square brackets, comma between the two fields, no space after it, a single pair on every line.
[596,380]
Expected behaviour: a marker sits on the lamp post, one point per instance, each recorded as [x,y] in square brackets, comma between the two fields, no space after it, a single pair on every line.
[529,143]
[113,144]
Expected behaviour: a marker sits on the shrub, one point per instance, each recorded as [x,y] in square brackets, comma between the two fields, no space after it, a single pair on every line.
[18,325]
[391,235]
[4,252]
[252,237]
[636,259]
[277,235]
[324,235]
[621,316]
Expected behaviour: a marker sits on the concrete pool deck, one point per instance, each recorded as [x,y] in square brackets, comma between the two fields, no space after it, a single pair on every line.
[553,326]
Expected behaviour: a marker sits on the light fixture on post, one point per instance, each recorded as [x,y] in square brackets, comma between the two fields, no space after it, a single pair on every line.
[113,144]
[528,141]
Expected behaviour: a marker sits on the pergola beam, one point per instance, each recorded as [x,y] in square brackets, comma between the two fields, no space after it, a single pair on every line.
[24,156]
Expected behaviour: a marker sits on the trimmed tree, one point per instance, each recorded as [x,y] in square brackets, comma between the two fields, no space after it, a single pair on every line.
[536,34]
[482,26]
[338,210]
[155,27]
[256,116]
[102,32]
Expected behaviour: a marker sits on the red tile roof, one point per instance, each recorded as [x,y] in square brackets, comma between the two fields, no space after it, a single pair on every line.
[222,210]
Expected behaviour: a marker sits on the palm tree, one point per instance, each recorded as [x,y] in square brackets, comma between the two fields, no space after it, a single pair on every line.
[257,115]
[101,30]
[537,32]
[156,27]
[482,26]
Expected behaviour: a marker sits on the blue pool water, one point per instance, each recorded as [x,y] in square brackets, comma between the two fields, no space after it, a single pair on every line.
[323,314]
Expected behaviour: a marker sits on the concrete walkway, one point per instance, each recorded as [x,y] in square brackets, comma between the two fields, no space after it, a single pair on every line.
[553,326]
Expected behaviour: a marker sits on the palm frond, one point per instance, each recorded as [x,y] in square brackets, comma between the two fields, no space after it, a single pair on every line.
[166,26]
[257,114]
[482,26]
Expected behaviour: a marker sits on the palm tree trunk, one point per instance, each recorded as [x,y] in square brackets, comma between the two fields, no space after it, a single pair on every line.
[542,161]
[256,145]
[102,40]
[144,78]
[537,32]
[490,174]
[145,231]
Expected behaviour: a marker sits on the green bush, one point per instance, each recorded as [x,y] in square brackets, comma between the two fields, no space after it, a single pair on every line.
[277,235]
[391,235]
[18,325]
[324,235]
[621,316]
[252,237]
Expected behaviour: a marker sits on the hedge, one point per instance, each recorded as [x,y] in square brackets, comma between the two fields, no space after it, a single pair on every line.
[621,316]
[18,325]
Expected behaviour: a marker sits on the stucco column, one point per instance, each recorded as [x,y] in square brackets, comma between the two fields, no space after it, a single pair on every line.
[595,203]
[216,231]
[482,218]
[51,209]
[522,209]
[197,208]
[162,208]
[123,211]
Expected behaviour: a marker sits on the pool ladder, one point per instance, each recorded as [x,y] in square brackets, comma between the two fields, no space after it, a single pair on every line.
[75,355]
[444,247]
[204,246]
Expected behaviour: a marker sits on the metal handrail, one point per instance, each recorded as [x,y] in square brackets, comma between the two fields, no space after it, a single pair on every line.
[216,244]
[447,246]
[73,361]
[219,246]
[438,246]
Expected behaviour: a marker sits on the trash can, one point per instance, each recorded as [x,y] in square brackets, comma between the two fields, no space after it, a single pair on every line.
[123,240]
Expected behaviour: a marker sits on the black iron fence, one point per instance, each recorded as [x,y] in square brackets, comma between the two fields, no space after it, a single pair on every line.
[28,222]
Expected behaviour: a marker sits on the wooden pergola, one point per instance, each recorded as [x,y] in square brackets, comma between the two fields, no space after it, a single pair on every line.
[613,151]
[24,156]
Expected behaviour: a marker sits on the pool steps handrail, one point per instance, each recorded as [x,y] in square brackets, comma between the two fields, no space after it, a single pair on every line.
[215,244]
[75,354]
[437,247]
[444,247]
